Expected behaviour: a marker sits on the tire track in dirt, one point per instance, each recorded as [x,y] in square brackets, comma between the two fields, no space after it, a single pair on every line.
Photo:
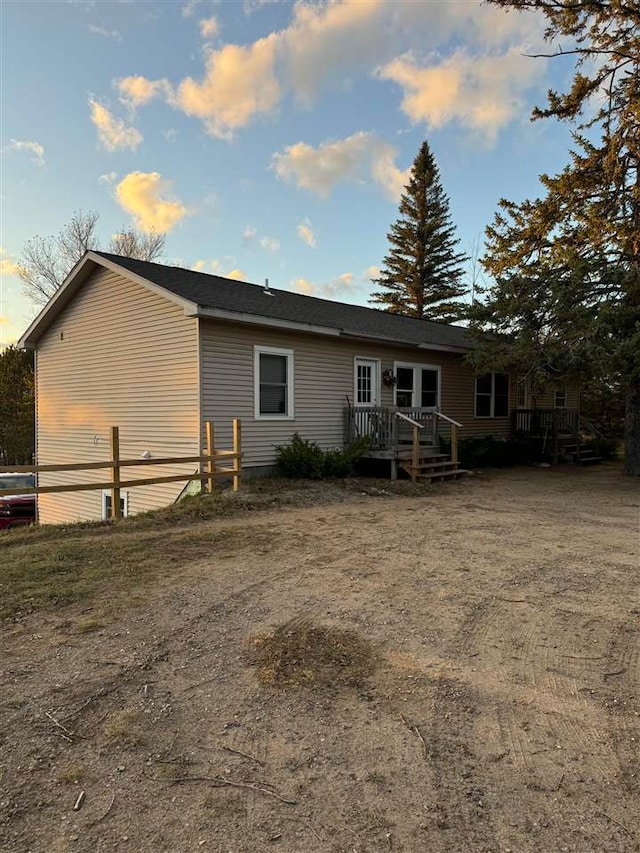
[462,800]
[556,737]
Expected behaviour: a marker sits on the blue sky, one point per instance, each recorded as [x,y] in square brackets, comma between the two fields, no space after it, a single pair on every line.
[265,139]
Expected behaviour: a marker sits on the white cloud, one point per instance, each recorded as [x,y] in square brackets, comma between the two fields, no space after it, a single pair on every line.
[482,94]
[103,31]
[33,147]
[236,274]
[371,272]
[303,285]
[170,135]
[108,178]
[251,6]
[137,90]
[306,233]
[239,82]
[249,234]
[269,244]
[216,267]
[341,286]
[188,10]
[209,27]
[325,40]
[358,157]
[112,132]
[329,42]
[144,196]
[7,265]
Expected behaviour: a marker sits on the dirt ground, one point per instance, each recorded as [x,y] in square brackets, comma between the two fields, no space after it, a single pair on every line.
[503,713]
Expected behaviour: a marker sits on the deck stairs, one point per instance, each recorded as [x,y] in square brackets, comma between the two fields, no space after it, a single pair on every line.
[581,454]
[430,468]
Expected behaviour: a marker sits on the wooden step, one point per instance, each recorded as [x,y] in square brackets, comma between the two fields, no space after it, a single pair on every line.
[451,474]
[424,464]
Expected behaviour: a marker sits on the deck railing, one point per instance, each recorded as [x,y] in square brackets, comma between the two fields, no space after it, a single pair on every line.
[544,423]
[386,431]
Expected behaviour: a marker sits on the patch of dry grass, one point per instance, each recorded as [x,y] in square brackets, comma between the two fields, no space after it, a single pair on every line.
[124,728]
[78,565]
[299,653]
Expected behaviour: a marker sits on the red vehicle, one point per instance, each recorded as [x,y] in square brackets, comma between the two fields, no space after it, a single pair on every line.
[16,510]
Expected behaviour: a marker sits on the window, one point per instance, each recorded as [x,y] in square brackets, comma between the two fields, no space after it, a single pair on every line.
[522,394]
[273,373]
[367,372]
[560,397]
[106,504]
[492,395]
[418,386]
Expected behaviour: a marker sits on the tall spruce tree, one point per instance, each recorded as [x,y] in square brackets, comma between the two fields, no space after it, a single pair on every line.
[423,271]
[566,266]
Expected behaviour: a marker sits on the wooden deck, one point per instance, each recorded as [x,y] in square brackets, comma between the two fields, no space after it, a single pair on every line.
[544,423]
[389,434]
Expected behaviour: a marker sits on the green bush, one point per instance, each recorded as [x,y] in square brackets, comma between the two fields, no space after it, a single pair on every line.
[489,452]
[304,459]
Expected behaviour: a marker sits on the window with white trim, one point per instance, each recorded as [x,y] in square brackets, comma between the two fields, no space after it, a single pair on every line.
[273,387]
[560,397]
[522,394]
[417,385]
[492,395]
[106,504]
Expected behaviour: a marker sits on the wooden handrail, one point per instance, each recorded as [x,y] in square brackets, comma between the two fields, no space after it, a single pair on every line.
[447,418]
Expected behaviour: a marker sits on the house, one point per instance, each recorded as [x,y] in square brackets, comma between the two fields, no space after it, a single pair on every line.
[158,351]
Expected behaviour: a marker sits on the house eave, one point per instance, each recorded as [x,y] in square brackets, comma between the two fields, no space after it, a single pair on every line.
[291,325]
[258,320]
[74,281]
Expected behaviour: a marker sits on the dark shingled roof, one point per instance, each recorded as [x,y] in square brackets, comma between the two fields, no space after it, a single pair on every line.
[214,292]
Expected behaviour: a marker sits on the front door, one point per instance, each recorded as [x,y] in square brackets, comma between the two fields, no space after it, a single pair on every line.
[367,382]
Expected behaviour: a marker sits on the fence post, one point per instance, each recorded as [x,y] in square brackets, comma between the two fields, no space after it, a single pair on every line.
[211,449]
[454,444]
[237,449]
[115,473]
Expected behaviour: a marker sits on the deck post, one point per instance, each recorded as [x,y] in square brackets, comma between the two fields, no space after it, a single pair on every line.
[116,511]
[454,444]
[237,449]
[415,456]
[211,449]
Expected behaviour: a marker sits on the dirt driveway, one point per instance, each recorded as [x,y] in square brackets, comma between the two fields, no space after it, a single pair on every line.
[503,714]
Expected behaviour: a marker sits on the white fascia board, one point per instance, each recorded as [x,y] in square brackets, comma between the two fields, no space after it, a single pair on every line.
[398,342]
[53,307]
[186,304]
[445,348]
[259,320]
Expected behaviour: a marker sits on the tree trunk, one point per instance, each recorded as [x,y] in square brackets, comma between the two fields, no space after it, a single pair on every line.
[632,430]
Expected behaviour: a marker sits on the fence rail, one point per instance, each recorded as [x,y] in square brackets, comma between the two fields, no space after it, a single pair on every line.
[208,472]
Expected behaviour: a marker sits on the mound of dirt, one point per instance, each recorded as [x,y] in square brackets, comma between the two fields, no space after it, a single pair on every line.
[299,653]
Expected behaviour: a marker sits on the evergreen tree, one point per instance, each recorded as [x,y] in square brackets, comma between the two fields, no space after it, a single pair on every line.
[17,407]
[566,266]
[422,272]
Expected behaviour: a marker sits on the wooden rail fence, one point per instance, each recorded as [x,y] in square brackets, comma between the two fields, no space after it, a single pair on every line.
[209,469]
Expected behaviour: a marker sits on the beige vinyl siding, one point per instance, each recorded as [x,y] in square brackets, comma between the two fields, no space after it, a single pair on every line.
[118,355]
[323,378]
[546,398]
